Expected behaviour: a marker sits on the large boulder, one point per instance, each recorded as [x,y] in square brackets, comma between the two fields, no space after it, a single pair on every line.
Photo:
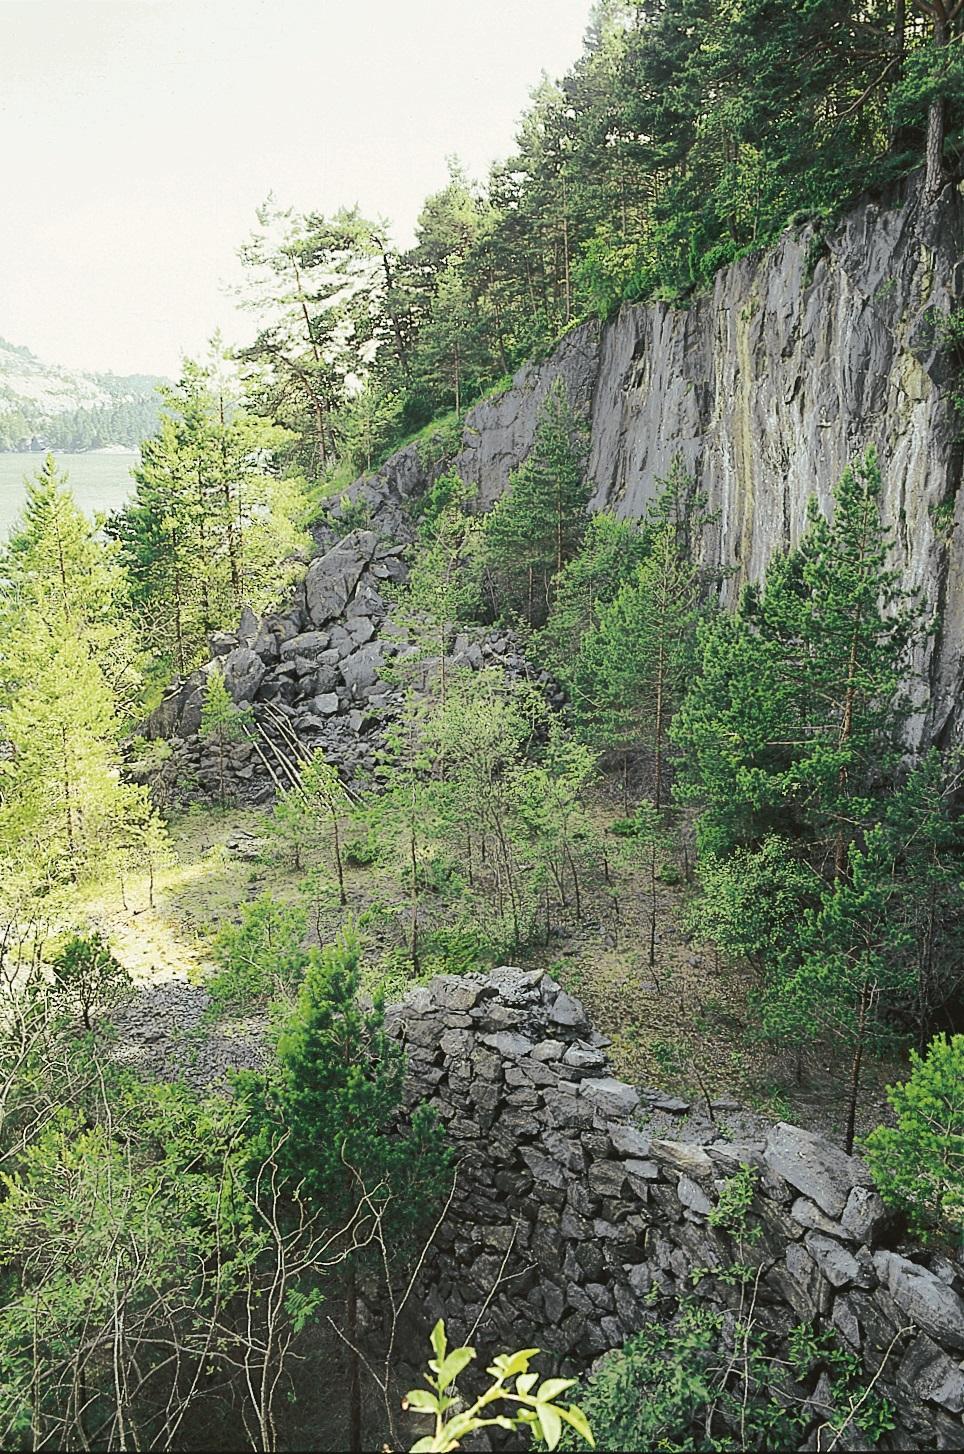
[249,628]
[360,670]
[243,673]
[331,581]
[816,1168]
[929,1302]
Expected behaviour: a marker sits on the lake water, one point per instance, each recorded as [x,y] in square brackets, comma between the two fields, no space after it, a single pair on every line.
[98,481]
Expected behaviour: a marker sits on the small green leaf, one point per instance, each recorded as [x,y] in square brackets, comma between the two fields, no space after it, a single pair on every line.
[421,1401]
[507,1365]
[450,1368]
[438,1340]
[577,1419]
[553,1387]
[525,1382]
[551,1425]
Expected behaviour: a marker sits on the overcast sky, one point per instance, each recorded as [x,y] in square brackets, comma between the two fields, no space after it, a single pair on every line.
[138,137]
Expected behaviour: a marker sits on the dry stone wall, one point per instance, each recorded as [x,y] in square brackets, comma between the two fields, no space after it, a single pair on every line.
[570,1215]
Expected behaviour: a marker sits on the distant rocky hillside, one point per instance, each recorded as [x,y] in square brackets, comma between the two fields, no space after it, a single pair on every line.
[45,406]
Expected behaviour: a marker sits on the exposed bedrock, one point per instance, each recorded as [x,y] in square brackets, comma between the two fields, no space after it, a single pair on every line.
[574,1211]
[765,387]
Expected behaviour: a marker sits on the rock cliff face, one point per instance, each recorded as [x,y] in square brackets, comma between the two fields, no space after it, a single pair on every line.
[766,388]
[575,1220]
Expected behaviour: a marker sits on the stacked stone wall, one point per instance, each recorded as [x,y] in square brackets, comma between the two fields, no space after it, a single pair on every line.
[573,1224]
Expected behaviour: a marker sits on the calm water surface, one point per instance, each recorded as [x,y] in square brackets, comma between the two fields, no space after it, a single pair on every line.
[99,481]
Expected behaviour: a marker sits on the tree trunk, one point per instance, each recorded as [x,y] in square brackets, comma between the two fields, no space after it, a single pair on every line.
[339,869]
[68,806]
[652,907]
[936,116]
[413,856]
[855,1073]
[354,1379]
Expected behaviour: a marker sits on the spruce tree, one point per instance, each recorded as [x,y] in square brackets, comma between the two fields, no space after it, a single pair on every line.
[539,524]
[333,1108]
[793,722]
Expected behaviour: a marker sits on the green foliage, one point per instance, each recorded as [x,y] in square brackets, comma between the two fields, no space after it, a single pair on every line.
[673,1386]
[87,976]
[733,1205]
[528,1402]
[213,524]
[855,1403]
[444,587]
[796,713]
[918,1165]
[703,1380]
[69,676]
[307,817]
[261,958]
[610,552]
[333,1103]
[632,665]
[539,523]
[825,860]
[750,901]
[223,721]
[685,135]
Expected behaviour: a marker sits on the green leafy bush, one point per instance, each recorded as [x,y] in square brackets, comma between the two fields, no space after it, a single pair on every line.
[87,976]
[528,1404]
[261,957]
[918,1164]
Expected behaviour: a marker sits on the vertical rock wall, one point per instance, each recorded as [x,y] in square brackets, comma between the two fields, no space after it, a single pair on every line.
[766,387]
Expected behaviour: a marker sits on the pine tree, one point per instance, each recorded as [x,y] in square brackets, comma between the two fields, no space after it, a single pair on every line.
[67,670]
[610,552]
[55,565]
[337,1100]
[539,524]
[212,524]
[633,668]
[918,1165]
[223,721]
[793,723]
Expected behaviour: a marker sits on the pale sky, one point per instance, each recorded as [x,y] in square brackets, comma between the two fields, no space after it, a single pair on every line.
[139,136]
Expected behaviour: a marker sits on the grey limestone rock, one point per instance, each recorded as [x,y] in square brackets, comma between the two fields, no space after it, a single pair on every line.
[818,1169]
[838,1266]
[693,1196]
[307,644]
[628,1141]
[683,1156]
[808,1215]
[331,580]
[864,1215]
[243,673]
[935,1307]
[926,1370]
[611,1097]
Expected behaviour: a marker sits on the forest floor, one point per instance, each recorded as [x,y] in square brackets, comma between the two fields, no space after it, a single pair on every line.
[685,1025]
